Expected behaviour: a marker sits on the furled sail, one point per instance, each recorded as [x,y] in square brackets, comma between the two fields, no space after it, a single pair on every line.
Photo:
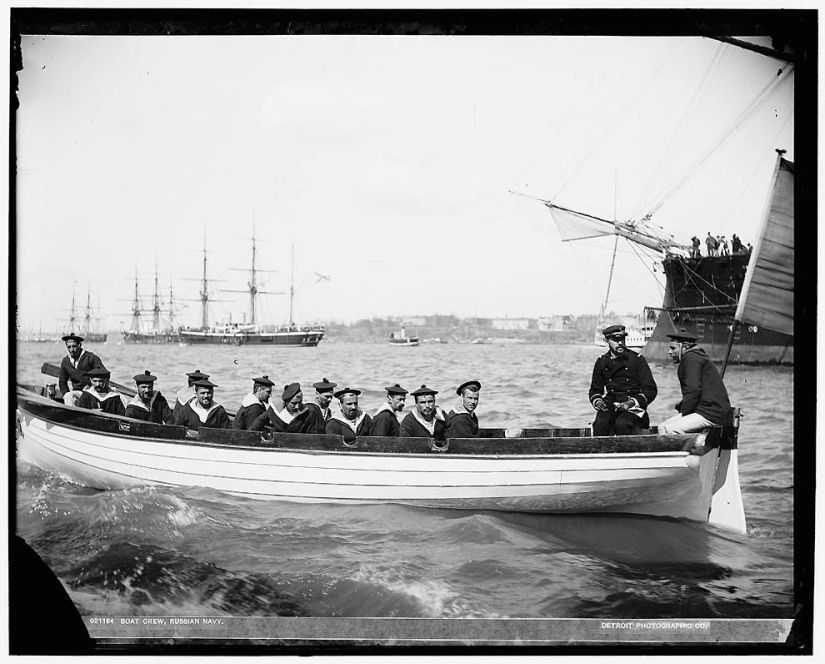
[767,298]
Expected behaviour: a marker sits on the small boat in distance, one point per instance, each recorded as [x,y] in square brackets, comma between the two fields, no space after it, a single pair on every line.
[401,338]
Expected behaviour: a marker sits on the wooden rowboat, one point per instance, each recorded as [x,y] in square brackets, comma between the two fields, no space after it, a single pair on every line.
[693,476]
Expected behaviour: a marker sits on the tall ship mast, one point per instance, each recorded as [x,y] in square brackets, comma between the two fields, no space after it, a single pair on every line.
[88,329]
[251,332]
[156,330]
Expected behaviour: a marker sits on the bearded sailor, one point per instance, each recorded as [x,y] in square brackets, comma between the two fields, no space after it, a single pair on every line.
[426,419]
[463,418]
[74,368]
[98,396]
[202,411]
[386,421]
[254,404]
[186,394]
[350,421]
[293,417]
[148,404]
[323,397]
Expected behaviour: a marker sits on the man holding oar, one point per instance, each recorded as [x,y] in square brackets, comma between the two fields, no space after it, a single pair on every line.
[74,368]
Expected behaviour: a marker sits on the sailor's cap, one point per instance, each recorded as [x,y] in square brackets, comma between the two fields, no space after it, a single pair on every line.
[263,380]
[290,391]
[473,383]
[145,377]
[396,389]
[72,337]
[197,374]
[423,390]
[100,372]
[615,330]
[347,390]
[683,336]
[204,383]
[324,385]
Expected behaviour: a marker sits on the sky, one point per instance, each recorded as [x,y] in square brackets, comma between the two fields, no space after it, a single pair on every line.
[404,169]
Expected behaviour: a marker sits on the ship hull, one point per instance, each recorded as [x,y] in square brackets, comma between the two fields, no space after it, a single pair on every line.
[299,338]
[701,297]
[140,338]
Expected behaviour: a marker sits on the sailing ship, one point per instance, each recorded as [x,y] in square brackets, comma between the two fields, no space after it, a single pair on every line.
[702,293]
[160,329]
[89,328]
[401,338]
[242,334]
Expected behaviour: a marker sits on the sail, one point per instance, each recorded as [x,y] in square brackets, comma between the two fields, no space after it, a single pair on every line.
[767,298]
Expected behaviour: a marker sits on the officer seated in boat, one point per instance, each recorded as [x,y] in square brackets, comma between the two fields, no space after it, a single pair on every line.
[293,417]
[323,398]
[202,411]
[254,403]
[98,396]
[73,369]
[463,418]
[621,389]
[186,394]
[705,401]
[426,419]
[148,404]
[386,421]
[350,421]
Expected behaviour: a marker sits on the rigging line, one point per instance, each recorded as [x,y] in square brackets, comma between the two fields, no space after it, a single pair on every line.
[766,92]
[721,54]
[611,126]
[691,273]
[638,250]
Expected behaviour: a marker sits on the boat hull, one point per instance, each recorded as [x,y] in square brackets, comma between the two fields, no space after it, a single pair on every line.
[308,338]
[141,338]
[111,452]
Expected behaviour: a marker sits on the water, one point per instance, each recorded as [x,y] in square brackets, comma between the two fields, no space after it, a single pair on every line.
[178,552]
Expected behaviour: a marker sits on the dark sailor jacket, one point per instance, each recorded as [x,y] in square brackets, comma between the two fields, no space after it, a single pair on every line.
[622,378]
[463,424]
[323,416]
[413,425]
[703,391]
[157,411]
[338,425]
[109,403]
[194,416]
[306,420]
[251,408]
[385,422]
[76,373]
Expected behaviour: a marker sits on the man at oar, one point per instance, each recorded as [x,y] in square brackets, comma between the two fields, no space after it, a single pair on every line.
[98,396]
[350,421]
[253,404]
[202,411]
[186,394]
[705,401]
[149,405]
[73,368]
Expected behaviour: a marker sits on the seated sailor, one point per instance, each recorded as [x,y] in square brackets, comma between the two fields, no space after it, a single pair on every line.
[202,411]
[186,394]
[386,421]
[350,421]
[148,404]
[463,418]
[621,389]
[74,367]
[254,403]
[426,419]
[98,396]
[323,397]
[293,417]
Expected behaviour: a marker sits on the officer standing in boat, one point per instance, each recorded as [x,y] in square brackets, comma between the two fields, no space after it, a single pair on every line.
[386,421]
[350,421]
[463,418]
[148,404]
[705,401]
[202,411]
[426,419]
[98,396]
[186,394]
[621,389]
[254,403]
[323,397]
[73,368]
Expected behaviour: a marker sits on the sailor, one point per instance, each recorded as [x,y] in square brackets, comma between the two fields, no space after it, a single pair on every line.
[386,421]
[694,247]
[148,404]
[323,397]
[705,401]
[350,421]
[186,394]
[98,396]
[426,420]
[711,243]
[202,411]
[621,389]
[254,403]
[73,368]
[293,417]
[463,418]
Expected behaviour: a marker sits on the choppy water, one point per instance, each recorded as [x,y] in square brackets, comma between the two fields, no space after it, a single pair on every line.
[161,551]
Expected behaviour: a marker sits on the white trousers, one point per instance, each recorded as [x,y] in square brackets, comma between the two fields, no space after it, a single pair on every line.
[685,424]
[71,397]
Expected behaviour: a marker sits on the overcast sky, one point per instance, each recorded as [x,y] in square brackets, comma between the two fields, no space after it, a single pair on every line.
[387,162]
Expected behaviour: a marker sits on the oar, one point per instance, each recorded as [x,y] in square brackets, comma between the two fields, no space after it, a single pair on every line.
[53,370]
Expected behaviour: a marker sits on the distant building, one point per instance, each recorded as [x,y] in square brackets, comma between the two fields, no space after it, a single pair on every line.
[419,321]
[554,323]
[510,323]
